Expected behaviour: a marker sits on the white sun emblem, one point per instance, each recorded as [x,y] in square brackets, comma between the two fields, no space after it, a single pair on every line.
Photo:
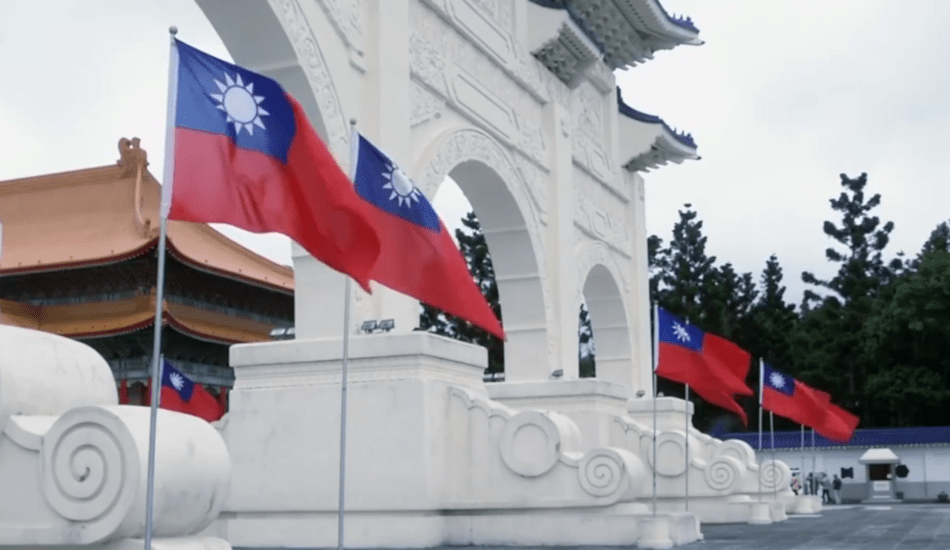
[402,188]
[177,381]
[777,380]
[240,104]
[681,333]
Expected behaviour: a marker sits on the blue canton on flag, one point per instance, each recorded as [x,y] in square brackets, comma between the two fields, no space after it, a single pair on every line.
[674,331]
[218,97]
[173,378]
[383,184]
[777,380]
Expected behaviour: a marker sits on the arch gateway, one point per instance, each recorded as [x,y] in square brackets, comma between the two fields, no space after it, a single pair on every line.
[517,102]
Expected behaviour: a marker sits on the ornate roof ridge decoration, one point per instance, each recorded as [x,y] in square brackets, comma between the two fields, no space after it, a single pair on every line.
[106,215]
[627,32]
[651,150]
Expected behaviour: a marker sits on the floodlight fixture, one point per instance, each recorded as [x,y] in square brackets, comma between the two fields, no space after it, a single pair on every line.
[386,325]
[368,326]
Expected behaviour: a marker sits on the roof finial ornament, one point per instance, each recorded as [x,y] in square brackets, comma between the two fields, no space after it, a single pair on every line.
[131,156]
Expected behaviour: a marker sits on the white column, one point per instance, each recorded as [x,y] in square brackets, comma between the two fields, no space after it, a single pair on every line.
[638,302]
[385,119]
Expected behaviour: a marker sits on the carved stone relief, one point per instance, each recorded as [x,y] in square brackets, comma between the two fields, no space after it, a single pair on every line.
[597,253]
[308,51]
[599,213]
[425,105]
[347,18]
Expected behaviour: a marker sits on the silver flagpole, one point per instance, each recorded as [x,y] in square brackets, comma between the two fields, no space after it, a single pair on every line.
[761,381]
[813,465]
[169,170]
[686,437]
[687,445]
[354,151]
[801,474]
[772,431]
[656,362]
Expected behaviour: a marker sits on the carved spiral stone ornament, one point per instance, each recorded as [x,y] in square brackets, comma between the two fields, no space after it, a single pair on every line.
[90,468]
[774,475]
[723,473]
[671,448]
[530,444]
[601,472]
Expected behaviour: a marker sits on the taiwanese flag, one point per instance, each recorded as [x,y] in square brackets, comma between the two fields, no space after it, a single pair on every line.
[794,400]
[180,394]
[839,424]
[246,155]
[417,255]
[713,367]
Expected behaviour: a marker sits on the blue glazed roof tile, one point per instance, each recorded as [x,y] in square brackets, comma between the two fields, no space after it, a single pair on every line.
[628,111]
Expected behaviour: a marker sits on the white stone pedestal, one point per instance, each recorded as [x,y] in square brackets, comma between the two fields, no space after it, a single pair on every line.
[431,460]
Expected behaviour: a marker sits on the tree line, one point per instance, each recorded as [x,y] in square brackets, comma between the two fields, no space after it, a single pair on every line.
[876,335]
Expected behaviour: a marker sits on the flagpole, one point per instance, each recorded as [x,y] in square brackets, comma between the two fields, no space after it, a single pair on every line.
[656,362]
[169,169]
[801,473]
[761,381]
[686,438]
[354,151]
[772,432]
[813,455]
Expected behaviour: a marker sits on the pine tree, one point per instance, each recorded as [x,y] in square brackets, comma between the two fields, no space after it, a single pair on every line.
[773,320]
[828,342]
[685,268]
[475,250]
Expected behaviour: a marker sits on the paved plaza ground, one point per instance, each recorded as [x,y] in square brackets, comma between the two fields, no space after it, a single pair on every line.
[848,527]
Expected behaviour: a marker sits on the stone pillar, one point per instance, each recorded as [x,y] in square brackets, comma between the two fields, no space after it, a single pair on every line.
[638,302]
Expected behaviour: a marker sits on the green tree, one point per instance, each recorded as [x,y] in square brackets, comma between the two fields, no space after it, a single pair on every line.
[908,334]
[684,268]
[474,248]
[828,344]
[773,319]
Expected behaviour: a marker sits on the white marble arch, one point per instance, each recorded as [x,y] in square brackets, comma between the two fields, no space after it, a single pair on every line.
[608,316]
[483,170]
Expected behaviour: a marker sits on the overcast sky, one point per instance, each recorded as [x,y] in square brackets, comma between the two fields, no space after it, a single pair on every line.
[784,96]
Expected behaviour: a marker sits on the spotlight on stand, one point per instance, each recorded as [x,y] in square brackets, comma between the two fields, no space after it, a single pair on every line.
[557,373]
[283,333]
[387,325]
[640,393]
[368,326]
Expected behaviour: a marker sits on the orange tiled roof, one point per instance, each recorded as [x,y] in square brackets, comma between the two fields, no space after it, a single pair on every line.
[107,214]
[131,314]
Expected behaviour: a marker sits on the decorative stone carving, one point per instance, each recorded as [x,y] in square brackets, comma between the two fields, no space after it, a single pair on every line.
[724,473]
[425,105]
[347,18]
[77,461]
[598,253]
[775,475]
[599,215]
[426,63]
[308,50]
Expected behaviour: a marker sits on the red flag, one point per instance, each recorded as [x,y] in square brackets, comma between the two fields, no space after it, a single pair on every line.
[418,256]
[246,155]
[792,399]
[714,367]
[180,393]
[839,424]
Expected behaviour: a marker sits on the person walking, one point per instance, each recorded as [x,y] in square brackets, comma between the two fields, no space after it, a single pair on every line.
[825,488]
[836,489]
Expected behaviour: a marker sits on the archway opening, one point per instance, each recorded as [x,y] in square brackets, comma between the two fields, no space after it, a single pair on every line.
[494,238]
[608,322]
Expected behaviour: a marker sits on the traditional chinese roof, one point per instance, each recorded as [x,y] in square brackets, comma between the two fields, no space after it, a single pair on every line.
[104,215]
[648,142]
[115,317]
[626,32]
